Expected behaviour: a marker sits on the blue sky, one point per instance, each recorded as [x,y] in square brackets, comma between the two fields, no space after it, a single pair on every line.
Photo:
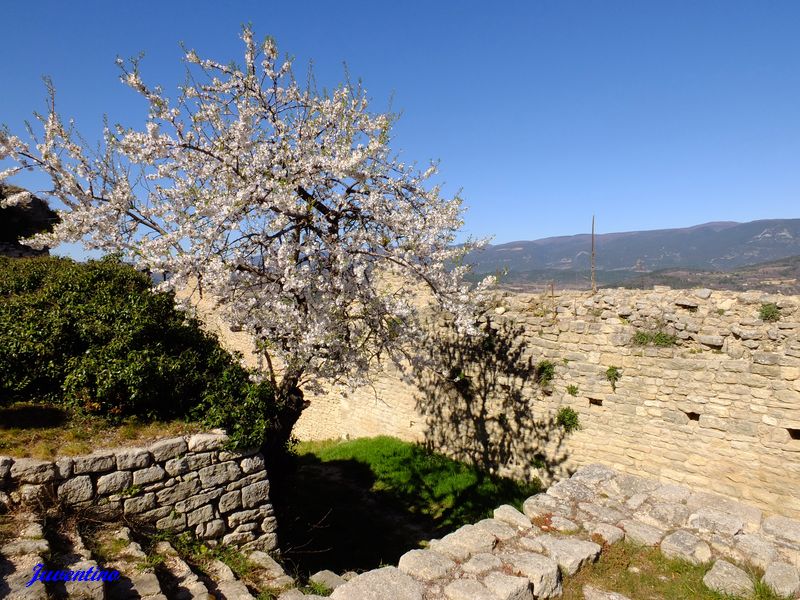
[647,114]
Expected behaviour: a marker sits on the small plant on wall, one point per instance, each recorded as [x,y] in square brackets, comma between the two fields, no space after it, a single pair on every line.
[613,374]
[572,389]
[545,371]
[567,418]
[769,312]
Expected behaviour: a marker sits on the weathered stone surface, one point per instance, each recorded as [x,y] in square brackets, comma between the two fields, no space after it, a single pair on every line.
[252,463]
[64,467]
[140,504]
[481,563]
[593,474]
[425,564]
[783,579]
[607,533]
[114,483]
[559,523]
[498,529]
[219,474]
[327,578]
[76,490]
[715,521]
[99,462]
[663,515]
[671,493]
[511,516]
[387,583]
[464,542]
[782,528]
[230,501]
[148,475]
[31,470]
[640,533]
[265,562]
[5,466]
[132,458]
[203,442]
[758,549]
[23,547]
[181,491]
[467,589]
[686,545]
[750,515]
[601,514]
[255,494]
[163,450]
[592,593]
[541,571]
[539,505]
[570,554]
[177,466]
[87,590]
[508,587]
[725,578]
[570,490]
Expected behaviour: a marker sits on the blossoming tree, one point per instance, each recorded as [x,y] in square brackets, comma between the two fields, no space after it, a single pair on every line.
[283,203]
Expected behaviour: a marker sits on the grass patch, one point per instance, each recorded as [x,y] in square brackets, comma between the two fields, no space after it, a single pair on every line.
[359,504]
[653,338]
[42,431]
[655,576]
[451,492]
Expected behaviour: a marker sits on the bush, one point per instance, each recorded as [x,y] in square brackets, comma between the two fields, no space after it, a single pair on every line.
[567,418]
[545,371]
[613,374]
[96,338]
[769,312]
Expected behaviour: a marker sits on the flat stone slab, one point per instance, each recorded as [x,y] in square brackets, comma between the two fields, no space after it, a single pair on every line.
[467,589]
[464,542]
[425,564]
[508,587]
[783,579]
[684,544]
[387,583]
[541,571]
[716,521]
[480,564]
[326,577]
[592,593]
[726,578]
[607,533]
[640,533]
[782,528]
[511,516]
[570,554]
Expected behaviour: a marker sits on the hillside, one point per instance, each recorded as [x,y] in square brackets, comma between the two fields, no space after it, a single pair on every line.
[717,247]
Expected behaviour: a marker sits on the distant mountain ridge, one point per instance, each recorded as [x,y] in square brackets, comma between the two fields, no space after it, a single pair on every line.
[720,246]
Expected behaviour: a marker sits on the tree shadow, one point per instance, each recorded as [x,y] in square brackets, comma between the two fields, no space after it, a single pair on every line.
[31,416]
[480,403]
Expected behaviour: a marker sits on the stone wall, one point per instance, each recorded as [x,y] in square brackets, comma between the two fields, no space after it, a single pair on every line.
[718,409]
[188,483]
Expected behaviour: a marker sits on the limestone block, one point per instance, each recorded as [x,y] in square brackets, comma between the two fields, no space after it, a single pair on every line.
[725,578]
[132,458]
[464,542]
[498,529]
[181,491]
[508,587]
[782,528]
[31,470]
[252,463]
[425,564]
[219,474]
[387,583]
[5,466]
[570,554]
[230,501]
[715,521]
[114,483]
[685,545]
[592,593]
[163,450]
[76,490]
[467,589]
[542,572]
[640,533]
[255,494]
[482,563]
[783,579]
[511,516]
[140,504]
[99,462]
[607,533]
[327,578]
[203,442]
[148,475]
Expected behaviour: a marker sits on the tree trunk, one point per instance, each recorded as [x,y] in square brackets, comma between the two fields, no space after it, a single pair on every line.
[291,402]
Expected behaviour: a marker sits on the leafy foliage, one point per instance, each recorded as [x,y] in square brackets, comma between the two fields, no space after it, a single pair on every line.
[545,371]
[613,375]
[572,389]
[96,338]
[769,312]
[568,419]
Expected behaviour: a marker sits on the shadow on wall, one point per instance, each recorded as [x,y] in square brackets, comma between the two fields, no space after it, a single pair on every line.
[484,406]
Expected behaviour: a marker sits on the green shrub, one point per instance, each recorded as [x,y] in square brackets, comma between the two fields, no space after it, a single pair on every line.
[653,338]
[97,338]
[769,312]
[613,374]
[567,418]
[545,371]
[572,389]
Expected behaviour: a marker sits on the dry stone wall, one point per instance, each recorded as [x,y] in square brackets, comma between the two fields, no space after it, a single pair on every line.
[187,483]
[718,409]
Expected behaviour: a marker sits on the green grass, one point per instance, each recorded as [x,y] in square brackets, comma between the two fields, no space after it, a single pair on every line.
[451,492]
[657,577]
[653,338]
[356,505]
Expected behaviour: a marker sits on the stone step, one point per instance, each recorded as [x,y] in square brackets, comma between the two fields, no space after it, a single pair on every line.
[137,578]
[21,556]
